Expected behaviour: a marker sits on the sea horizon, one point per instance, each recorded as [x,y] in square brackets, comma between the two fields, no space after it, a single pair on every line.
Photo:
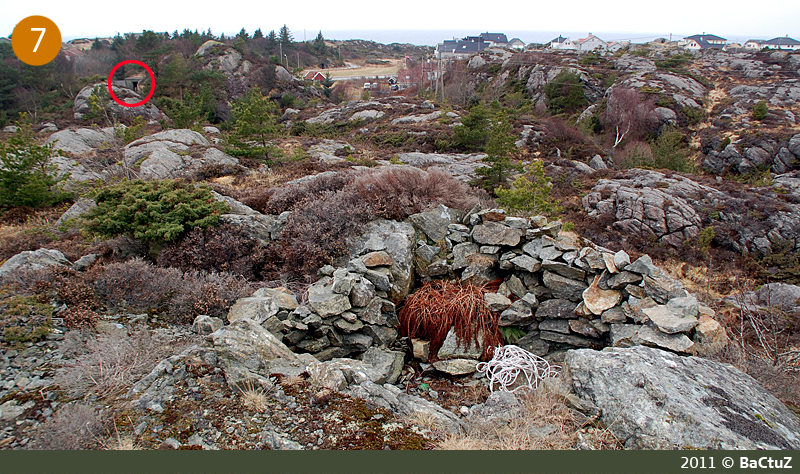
[434,37]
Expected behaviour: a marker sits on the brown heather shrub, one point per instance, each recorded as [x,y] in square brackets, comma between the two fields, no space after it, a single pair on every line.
[139,286]
[285,198]
[396,193]
[329,210]
[316,233]
[74,426]
[216,249]
[19,238]
[119,248]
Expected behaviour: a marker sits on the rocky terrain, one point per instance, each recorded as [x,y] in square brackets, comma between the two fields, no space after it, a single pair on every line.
[288,322]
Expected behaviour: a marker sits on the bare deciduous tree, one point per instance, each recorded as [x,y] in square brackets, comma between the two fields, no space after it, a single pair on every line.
[630,114]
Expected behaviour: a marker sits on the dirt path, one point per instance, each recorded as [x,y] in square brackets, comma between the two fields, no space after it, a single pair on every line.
[366,71]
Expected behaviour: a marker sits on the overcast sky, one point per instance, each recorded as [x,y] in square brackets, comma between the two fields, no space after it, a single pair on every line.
[733,19]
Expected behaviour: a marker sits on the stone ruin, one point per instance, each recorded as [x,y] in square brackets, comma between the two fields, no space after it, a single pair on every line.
[557,289]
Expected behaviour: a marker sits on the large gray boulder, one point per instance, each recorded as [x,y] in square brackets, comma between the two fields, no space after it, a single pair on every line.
[651,399]
[148,111]
[246,350]
[82,140]
[167,154]
[32,260]
[776,296]
[401,404]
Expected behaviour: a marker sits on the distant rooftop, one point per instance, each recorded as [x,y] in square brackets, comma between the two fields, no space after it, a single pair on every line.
[783,41]
[495,37]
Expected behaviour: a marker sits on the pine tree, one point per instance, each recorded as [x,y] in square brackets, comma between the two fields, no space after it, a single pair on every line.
[327,85]
[473,132]
[255,123]
[272,38]
[529,194]
[285,35]
[319,44]
[26,175]
[258,34]
[499,149]
[243,35]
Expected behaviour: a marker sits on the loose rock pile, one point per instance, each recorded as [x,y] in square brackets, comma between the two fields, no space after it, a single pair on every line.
[560,292]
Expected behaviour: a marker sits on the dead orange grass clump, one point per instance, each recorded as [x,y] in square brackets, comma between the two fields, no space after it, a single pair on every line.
[544,421]
[432,310]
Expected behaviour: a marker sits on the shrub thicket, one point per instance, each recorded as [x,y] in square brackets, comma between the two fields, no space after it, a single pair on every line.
[329,210]
[565,93]
[154,212]
[26,176]
[760,110]
[221,249]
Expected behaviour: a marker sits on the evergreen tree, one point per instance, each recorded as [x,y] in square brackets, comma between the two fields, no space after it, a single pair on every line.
[272,38]
[473,132]
[529,194]
[243,35]
[327,85]
[97,45]
[285,35]
[26,177]
[565,93]
[258,34]
[499,149]
[255,123]
[319,45]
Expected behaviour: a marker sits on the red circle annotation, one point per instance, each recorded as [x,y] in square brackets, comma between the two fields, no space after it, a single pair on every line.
[152,83]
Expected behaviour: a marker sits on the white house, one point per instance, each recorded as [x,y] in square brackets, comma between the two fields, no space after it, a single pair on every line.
[704,41]
[562,43]
[516,43]
[590,43]
[785,43]
[754,44]
[615,46]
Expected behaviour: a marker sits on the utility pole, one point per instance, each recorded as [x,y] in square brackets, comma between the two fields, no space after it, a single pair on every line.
[281,47]
[298,60]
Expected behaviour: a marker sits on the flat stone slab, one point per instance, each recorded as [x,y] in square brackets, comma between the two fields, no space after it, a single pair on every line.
[652,399]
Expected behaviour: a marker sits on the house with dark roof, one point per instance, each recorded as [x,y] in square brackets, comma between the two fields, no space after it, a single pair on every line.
[495,39]
[461,48]
[561,43]
[785,43]
[704,41]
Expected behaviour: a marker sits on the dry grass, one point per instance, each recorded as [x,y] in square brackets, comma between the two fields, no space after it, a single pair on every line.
[709,284]
[72,427]
[111,362]
[254,397]
[544,422]
[431,311]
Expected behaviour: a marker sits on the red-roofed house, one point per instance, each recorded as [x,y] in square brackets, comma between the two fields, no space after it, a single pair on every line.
[315,76]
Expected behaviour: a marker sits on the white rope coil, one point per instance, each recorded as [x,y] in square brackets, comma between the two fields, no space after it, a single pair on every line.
[509,362]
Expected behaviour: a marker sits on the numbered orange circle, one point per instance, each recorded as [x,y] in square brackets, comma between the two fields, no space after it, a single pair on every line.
[36,40]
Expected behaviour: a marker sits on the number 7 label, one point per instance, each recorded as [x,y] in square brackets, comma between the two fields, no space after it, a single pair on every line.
[36,40]
[40,37]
